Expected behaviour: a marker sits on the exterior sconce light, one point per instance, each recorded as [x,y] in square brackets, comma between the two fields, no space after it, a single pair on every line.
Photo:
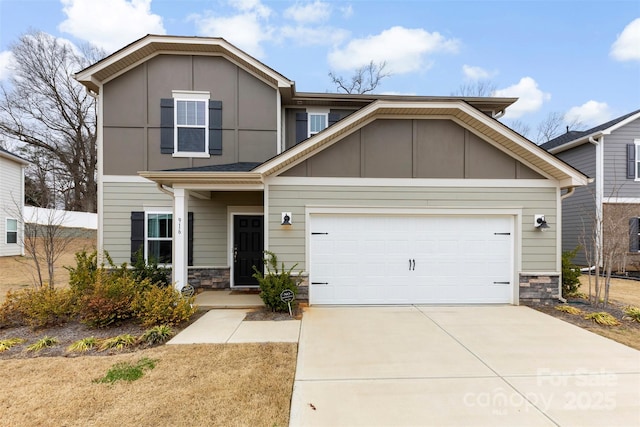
[286,218]
[539,222]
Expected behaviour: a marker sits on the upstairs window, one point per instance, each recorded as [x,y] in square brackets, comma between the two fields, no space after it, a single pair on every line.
[633,160]
[317,123]
[190,125]
[191,132]
[12,231]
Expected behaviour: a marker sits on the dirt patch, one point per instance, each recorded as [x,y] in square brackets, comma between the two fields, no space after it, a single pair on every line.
[622,291]
[266,314]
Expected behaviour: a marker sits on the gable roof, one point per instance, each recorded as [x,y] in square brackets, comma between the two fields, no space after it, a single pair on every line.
[152,45]
[489,129]
[574,138]
[7,155]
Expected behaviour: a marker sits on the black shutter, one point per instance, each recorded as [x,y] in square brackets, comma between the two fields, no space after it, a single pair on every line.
[631,161]
[302,131]
[190,237]
[215,127]
[634,244]
[166,126]
[333,118]
[137,233]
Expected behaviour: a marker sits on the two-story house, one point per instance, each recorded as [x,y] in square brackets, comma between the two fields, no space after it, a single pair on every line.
[208,157]
[11,203]
[605,212]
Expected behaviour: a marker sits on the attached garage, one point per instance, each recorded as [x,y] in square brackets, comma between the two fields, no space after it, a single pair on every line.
[411,259]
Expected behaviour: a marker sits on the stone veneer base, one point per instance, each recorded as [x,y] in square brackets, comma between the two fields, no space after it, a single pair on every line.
[539,289]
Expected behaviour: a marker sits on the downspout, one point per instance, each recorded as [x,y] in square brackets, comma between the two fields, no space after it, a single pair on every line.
[499,114]
[599,190]
[164,190]
[569,192]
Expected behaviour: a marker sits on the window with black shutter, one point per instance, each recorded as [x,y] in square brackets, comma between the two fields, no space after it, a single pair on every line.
[190,125]
[634,237]
[156,239]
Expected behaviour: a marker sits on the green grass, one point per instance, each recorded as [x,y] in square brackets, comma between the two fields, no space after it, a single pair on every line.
[127,371]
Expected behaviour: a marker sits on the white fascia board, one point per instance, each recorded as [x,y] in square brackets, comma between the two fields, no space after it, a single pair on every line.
[412,182]
[575,143]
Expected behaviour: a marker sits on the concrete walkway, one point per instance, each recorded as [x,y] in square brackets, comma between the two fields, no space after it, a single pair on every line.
[459,366]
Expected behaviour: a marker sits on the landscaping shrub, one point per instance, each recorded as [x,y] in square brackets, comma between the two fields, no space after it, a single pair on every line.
[43,343]
[570,274]
[110,301]
[633,313]
[85,344]
[163,306]
[602,318]
[274,281]
[82,277]
[38,308]
[568,309]
[157,335]
[9,342]
[150,270]
[118,343]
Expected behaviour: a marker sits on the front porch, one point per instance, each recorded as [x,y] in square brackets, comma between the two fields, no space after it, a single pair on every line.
[228,298]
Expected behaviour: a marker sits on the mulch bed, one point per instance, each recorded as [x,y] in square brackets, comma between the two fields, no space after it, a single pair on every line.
[71,332]
[616,310]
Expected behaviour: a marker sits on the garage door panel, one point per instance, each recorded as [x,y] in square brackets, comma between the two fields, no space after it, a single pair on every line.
[410,259]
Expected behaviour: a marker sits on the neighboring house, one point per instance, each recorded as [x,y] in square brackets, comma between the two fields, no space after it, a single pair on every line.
[11,203]
[607,210]
[207,157]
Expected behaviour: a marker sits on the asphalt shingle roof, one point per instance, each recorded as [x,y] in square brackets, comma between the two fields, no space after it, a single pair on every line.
[573,135]
[231,167]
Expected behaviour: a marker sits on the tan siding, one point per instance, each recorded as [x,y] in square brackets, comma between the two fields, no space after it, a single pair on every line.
[538,248]
[210,219]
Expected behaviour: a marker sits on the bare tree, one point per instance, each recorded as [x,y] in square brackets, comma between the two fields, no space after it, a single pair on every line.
[521,127]
[478,88]
[554,125]
[364,80]
[53,115]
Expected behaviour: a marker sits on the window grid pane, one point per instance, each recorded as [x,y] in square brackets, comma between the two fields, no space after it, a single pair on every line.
[317,122]
[12,231]
[191,113]
[159,233]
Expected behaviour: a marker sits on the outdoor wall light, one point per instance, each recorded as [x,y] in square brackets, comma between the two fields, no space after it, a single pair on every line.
[539,222]
[286,218]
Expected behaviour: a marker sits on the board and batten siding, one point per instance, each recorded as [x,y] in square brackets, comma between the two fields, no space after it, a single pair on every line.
[210,246]
[539,250]
[11,201]
[616,183]
[579,210]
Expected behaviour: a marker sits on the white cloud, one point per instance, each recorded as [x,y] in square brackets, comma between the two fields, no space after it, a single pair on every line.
[591,113]
[318,11]
[7,62]
[347,11]
[247,29]
[314,36]
[530,97]
[476,73]
[627,45]
[404,50]
[110,24]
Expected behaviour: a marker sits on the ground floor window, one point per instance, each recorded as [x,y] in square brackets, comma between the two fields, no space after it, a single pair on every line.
[158,237]
[12,230]
[634,235]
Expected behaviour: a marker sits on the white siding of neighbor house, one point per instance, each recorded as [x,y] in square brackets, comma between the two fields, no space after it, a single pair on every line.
[538,252]
[11,202]
[210,247]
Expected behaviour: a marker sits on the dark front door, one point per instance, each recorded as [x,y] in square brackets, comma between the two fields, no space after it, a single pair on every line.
[248,247]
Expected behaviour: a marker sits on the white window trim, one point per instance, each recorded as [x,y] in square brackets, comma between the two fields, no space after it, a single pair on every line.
[637,160]
[146,235]
[316,112]
[181,95]
[6,231]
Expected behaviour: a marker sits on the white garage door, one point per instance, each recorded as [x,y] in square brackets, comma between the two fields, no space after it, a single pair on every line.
[371,259]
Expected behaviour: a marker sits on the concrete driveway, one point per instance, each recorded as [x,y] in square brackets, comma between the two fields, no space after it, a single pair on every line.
[459,366]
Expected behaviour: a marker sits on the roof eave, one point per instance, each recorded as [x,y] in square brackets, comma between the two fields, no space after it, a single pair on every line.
[202,179]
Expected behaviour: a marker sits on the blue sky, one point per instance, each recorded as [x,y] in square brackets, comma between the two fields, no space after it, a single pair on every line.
[578,58]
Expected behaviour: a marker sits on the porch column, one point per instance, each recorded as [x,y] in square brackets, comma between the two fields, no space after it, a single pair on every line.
[180,237]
